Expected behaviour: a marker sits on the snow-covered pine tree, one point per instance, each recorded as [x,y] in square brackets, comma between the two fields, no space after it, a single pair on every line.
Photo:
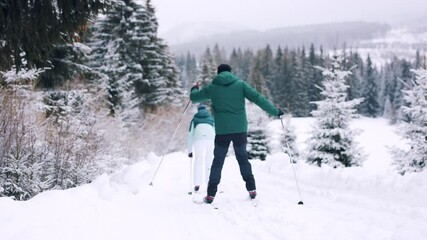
[391,84]
[402,78]
[188,70]
[237,62]
[414,159]
[71,140]
[288,139]
[266,64]
[135,64]
[354,81]
[218,55]
[300,98]
[257,138]
[118,70]
[256,79]
[159,68]
[21,157]
[207,68]
[315,77]
[331,141]
[370,106]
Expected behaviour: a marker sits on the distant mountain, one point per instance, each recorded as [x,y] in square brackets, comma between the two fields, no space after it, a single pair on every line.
[189,32]
[332,35]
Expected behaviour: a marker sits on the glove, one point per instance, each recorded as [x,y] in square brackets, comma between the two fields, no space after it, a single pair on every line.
[195,87]
[280,113]
[190,155]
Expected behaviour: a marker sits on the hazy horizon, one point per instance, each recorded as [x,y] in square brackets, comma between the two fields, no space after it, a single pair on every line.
[270,14]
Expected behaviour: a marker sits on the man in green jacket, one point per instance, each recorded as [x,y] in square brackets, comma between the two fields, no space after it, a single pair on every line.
[227,94]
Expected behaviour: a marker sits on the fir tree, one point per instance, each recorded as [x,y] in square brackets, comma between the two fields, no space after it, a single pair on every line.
[158,66]
[236,62]
[315,77]
[332,141]
[256,78]
[266,64]
[414,159]
[218,55]
[370,105]
[207,69]
[391,92]
[300,97]
[33,28]
[245,66]
[288,139]
[274,83]
[402,79]
[354,81]
[135,64]
[257,139]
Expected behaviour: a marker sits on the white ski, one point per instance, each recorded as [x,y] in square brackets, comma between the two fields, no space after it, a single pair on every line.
[254,202]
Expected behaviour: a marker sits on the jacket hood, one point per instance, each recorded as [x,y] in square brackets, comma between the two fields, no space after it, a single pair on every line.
[224,79]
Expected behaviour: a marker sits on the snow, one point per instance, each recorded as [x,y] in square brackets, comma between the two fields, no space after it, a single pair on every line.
[368,202]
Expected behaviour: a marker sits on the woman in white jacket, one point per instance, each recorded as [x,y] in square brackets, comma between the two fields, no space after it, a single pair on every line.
[201,142]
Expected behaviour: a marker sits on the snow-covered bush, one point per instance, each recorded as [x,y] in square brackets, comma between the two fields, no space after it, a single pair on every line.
[71,140]
[20,155]
[52,145]
[415,131]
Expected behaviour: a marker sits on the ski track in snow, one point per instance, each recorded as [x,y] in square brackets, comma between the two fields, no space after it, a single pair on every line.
[352,203]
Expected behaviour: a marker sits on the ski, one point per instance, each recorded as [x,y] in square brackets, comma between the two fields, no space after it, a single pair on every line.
[254,202]
[198,201]
[203,203]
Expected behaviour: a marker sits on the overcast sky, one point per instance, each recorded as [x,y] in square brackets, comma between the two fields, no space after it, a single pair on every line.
[267,14]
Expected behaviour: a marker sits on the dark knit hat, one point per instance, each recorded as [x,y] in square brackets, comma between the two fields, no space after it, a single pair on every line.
[201,107]
[223,68]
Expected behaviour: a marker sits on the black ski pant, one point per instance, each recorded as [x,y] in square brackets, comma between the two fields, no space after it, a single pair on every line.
[222,142]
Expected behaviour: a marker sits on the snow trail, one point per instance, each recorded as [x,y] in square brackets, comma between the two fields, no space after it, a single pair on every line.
[350,203]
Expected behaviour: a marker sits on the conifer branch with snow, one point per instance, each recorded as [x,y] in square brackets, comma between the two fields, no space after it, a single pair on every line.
[414,158]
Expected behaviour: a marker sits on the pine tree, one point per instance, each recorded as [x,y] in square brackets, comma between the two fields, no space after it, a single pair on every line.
[236,62]
[110,58]
[391,91]
[20,161]
[332,141]
[33,28]
[414,159]
[256,78]
[300,97]
[207,68]
[274,83]
[188,70]
[218,55]
[158,66]
[135,64]
[354,81]
[246,64]
[370,105]
[315,77]
[402,80]
[288,139]
[257,138]
[284,78]
[266,64]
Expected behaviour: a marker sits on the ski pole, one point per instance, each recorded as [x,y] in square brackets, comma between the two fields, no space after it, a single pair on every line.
[292,164]
[191,176]
[173,136]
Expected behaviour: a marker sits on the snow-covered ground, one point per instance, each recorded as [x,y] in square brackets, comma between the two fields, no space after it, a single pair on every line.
[369,202]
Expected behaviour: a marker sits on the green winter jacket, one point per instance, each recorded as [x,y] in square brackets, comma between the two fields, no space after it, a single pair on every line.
[227,94]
